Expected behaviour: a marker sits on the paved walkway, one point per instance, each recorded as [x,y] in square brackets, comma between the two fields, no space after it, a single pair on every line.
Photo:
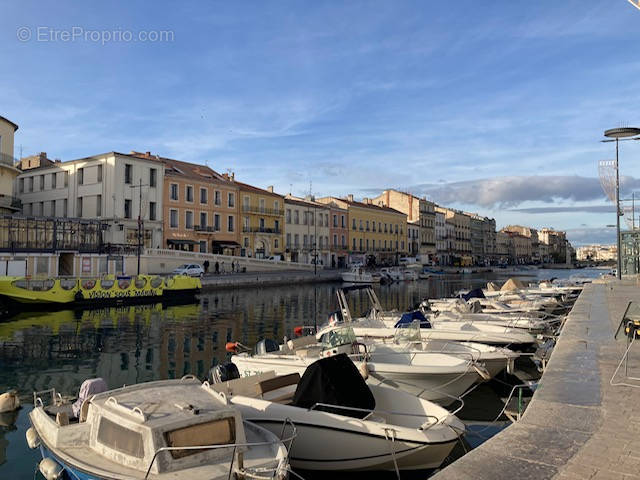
[211,281]
[577,426]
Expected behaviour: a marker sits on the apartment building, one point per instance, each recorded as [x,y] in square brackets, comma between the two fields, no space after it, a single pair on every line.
[420,212]
[460,245]
[262,213]
[556,242]
[9,203]
[200,209]
[338,235]
[532,235]
[306,228]
[375,231]
[112,187]
[442,253]
[483,239]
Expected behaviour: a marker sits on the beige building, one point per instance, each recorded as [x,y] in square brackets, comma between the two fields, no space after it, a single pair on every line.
[556,242]
[375,231]
[306,228]
[104,187]
[532,235]
[8,171]
[459,246]
[420,213]
[262,213]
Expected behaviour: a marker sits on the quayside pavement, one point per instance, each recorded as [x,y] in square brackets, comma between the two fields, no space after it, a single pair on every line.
[577,425]
[232,280]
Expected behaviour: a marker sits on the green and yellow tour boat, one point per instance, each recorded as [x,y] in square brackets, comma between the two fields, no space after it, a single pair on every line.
[95,291]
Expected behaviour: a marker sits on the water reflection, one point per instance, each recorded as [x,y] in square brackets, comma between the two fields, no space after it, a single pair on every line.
[127,345]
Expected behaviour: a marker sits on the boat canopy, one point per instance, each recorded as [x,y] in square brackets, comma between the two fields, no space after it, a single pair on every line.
[334,381]
[414,316]
[475,293]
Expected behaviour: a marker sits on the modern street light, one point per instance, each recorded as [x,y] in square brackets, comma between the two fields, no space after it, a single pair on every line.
[624,133]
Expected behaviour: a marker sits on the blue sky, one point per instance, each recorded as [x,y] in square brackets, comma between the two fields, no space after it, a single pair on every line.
[495,107]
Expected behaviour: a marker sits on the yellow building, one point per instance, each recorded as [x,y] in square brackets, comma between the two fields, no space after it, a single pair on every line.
[262,215]
[374,230]
[8,170]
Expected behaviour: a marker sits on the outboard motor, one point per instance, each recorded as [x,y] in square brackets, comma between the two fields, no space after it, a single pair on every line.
[266,345]
[223,373]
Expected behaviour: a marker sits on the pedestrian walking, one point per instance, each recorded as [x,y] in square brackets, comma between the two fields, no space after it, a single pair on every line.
[222,267]
[206,266]
[217,266]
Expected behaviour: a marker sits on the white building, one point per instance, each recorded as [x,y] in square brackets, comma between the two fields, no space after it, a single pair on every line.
[413,239]
[106,187]
[441,239]
[306,229]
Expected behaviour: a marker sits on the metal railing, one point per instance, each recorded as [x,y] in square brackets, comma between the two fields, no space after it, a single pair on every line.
[8,160]
[7,201]
[205,228]
[261,230]
[262,210]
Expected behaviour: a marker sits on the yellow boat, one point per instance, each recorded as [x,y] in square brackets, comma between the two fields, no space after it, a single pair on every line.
[96,291]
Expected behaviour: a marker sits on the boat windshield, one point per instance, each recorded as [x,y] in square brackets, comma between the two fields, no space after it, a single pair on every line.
[216,432]
[338,336]
[408,334]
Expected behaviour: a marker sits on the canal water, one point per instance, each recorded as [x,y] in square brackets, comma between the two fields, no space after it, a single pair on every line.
[128,345]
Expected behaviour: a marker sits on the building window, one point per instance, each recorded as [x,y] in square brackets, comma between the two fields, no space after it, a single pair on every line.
[261,202]
[246,223]
[276,243]
[81,176]
[246,242]
[153,177]
[296,217]
[261,223]
[173,194]
[41,209]
[373,226]
[296,240]
[128,171]
[367,244]
[21,185]
[42,265]
[335,240]
[361,225]
[367,225]
[152,210]
[231,200]
[230,223]
[41,182]
[30,189]
[288,216]
[127,209]
[353,226]
[288,240]
[99,175]
[203,246]
[344,243]
[203,196]
[216,222]
[98,205]
[53,208]
[276,206]
[305,241]
[354,244]
[66,179]
[216,197]
[276,226]
[203,219]
[335,221]
[188,219]
[343,224]
[312,217]
[79,209]
[173,218]
[64,208]
[189,193]
[54,177]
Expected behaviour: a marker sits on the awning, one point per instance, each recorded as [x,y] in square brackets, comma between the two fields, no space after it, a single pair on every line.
[172,241]
[223,244]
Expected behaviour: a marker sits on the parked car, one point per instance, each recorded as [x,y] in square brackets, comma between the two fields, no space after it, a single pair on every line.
[191,269]
[276,258]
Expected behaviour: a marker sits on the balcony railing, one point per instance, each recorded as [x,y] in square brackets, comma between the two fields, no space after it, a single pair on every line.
[262,210]
[261,230]
[8,160]
[205,229]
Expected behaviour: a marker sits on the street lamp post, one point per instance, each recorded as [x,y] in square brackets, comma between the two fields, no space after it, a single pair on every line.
[139,187]
[617,134]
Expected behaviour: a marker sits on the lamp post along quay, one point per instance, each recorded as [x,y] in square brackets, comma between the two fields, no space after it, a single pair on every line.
[615,135]
[139,187]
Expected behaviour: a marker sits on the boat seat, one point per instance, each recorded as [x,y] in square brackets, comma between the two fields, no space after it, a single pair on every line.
[244,386]
[311,351]
[62,419]
[277,383]
[84,410]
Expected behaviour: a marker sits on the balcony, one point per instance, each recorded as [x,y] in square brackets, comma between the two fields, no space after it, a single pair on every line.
[262,210]
[205,229]
[8,160]
[275,231]
[10,203]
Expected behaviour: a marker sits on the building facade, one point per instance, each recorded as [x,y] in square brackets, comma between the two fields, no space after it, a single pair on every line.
[442,254]
[421,213]
[338,235]
[9,203]
[306,229]
[262,213]
[200,209]
[459,246]
[533,247]
[376,232]
[106,187]
[413,239]
[556,242]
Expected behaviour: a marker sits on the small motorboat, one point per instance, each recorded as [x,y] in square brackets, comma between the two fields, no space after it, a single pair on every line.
[358,274]
[436,376]
[342,422]
[157,430]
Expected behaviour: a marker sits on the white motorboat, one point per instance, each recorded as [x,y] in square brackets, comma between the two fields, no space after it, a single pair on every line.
[158,430]
[437,376]
[381,324]
[392,273]
[410,274]
[344,424]
[358,274]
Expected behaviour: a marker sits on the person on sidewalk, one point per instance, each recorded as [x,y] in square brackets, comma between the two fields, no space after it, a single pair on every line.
[206,266]
[217,266]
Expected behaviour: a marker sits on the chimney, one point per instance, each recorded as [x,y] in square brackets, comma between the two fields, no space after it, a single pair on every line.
[233,176]
[43,156]
[350,197]
[147,154]
[270,188]
[225,176]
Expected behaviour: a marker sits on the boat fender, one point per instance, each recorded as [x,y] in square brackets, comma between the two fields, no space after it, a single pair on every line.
[297,331]
[364,370]
[79,296]
[483,372]
[231,347]
[9,401]
[50,469]
[33,440]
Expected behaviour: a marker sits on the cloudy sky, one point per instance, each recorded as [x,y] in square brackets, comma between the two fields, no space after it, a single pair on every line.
[494,107]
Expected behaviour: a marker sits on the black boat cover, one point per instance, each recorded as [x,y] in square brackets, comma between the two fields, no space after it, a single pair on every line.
[336,381]
[475,293]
